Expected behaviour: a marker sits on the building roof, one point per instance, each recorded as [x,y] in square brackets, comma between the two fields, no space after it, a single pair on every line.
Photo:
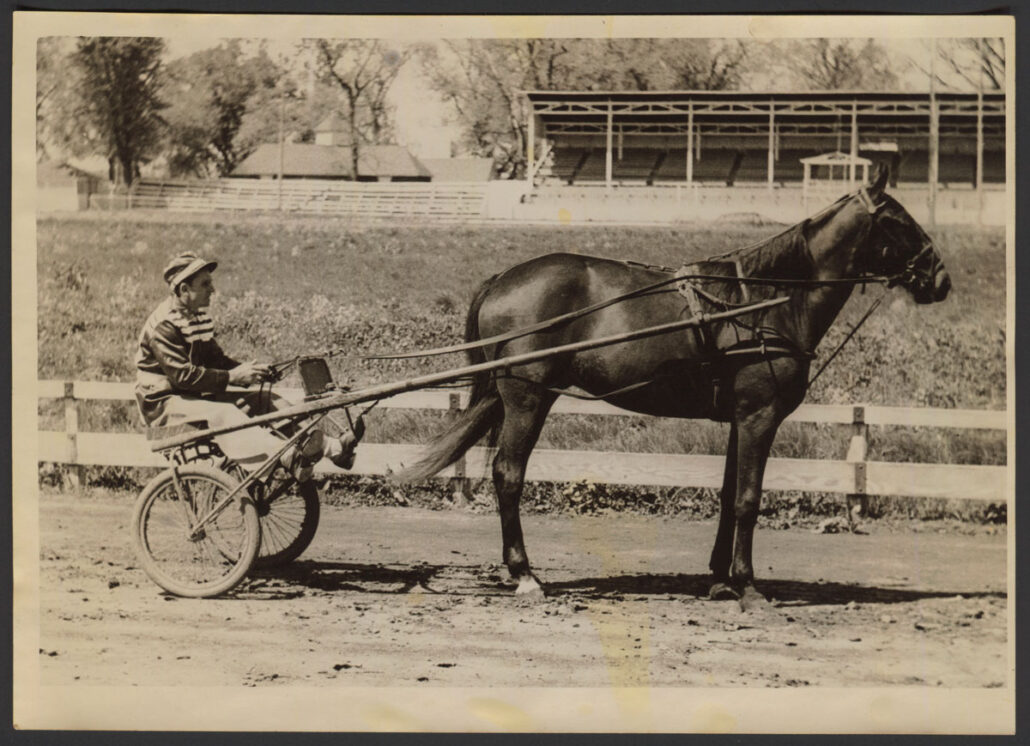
[748,112]
[460,169]
[836,158]
[51,173]
[331,161]
[332,123]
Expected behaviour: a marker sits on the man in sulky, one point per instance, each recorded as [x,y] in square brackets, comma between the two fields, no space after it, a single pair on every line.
[182,375]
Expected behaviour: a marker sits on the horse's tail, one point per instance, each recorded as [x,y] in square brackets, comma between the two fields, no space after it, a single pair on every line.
[483,414]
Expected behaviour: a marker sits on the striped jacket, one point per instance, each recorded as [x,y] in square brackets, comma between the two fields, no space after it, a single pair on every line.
[178,354]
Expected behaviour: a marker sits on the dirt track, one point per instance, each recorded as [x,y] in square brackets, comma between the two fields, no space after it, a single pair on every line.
[401,596]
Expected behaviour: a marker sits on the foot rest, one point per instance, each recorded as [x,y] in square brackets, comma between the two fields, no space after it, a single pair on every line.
[170,431]
[315,376]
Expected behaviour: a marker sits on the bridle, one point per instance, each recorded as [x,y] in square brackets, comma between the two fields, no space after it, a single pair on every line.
[911,275]
[867,201]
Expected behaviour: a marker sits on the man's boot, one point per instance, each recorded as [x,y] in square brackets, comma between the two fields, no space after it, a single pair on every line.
[341,450]
[300,460]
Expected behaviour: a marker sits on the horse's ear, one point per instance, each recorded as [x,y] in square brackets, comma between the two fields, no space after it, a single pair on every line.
[879,182]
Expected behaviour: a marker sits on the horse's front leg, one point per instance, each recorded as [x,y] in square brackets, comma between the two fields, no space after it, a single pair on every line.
[755,436]
[722,552]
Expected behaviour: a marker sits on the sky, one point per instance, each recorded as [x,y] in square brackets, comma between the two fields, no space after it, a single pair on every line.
[421,116]
[423,121]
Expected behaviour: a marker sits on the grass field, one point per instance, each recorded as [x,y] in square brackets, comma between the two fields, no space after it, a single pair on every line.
[308,284]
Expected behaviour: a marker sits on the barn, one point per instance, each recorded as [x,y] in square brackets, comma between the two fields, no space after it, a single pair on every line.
[330,158]
[62,186]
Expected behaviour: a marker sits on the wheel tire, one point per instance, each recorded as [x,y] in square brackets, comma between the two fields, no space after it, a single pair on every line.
[211,565]
[288,524]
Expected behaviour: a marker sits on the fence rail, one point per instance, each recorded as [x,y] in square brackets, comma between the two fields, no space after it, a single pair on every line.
[854,476]
[319,197]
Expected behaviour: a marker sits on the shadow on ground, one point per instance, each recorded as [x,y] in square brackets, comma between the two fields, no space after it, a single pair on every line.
[474,580]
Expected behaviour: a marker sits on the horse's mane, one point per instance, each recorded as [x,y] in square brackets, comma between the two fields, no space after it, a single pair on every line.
[782,256]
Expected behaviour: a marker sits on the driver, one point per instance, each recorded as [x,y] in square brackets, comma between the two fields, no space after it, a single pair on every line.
[182,374]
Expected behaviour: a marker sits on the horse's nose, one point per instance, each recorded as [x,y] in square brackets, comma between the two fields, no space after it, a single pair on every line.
[941,285]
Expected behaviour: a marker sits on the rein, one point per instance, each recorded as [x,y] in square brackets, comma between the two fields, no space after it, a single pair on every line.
[869,312]
[555,321]
[888,281]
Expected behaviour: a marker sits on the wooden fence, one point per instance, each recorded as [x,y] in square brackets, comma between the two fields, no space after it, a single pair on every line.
[443,200]
[853,476]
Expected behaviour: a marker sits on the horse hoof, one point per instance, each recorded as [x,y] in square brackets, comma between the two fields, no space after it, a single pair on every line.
[722,592]
[752,600]
[529,589]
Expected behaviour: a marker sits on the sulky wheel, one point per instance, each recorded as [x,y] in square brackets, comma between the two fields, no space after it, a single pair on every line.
[289,517]
[182,559]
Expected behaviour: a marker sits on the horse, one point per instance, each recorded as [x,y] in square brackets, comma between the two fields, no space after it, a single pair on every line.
[750,375]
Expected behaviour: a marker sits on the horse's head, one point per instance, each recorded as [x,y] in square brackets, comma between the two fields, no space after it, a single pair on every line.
[898,247]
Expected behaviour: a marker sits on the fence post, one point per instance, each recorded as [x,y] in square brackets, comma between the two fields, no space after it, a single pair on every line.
[463,485]
[75,472]
[858,449]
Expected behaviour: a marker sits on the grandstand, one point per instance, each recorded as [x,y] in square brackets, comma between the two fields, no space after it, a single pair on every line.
[727,139]
[642,166]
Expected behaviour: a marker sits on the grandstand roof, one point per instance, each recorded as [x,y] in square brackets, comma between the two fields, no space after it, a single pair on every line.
[744,112]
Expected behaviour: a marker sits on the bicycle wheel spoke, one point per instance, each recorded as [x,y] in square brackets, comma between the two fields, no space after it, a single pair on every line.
[190,559]
[288,524]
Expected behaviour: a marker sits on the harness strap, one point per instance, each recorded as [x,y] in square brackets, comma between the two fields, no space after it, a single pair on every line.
[745,295]
[689,291]
[867,201]
[548,324]
[541,326]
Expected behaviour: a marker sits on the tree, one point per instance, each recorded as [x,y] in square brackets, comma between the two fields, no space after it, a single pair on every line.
[119,105]
[212,92]
[702,64]
[56,84]
[483,79]
[970,63]
[837,64]
[960,64]
[362,70]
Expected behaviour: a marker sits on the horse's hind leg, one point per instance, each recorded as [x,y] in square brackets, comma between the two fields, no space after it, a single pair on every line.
[722,553]
[524,415]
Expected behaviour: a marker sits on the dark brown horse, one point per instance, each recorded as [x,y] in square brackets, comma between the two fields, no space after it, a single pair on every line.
[683,374]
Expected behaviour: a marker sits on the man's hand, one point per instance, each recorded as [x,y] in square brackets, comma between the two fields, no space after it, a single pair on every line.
[247,374]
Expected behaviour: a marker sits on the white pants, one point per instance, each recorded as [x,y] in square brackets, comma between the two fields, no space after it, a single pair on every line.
[249,447]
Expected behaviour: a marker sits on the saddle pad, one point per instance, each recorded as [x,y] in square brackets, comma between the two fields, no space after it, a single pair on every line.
[686,287]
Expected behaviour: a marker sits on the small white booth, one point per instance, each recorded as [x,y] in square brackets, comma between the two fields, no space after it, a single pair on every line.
[830,175]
